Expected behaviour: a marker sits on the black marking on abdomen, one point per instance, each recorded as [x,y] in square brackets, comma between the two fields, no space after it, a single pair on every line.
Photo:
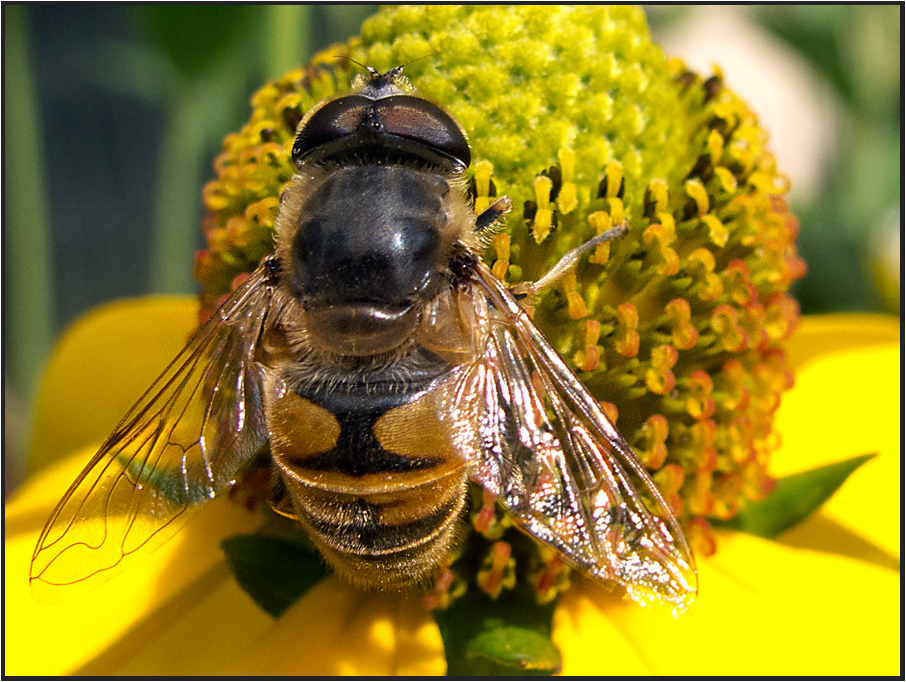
[358,451]
[357,405]
[362,531]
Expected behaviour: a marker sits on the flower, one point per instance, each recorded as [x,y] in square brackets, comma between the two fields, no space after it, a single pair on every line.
[823,599]
[577,116]
[681,327]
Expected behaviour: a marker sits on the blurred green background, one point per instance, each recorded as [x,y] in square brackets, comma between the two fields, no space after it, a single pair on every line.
[113,114]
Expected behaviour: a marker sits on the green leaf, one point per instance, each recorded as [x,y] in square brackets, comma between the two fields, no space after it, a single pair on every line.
[274,571]
[504,637]
[793,499]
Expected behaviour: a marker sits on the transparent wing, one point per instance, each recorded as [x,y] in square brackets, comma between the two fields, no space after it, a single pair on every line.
[180,444]
[555,461]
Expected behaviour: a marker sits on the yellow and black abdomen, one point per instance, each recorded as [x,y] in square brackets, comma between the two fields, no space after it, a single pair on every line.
[372,473]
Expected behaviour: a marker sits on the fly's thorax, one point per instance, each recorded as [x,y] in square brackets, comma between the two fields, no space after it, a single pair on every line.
[364,249]
[370,467]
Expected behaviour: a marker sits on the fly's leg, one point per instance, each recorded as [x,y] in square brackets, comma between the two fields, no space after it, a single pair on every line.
[490,218]
[565,264]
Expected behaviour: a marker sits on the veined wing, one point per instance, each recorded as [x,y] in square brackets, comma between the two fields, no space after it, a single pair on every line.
[180,444]
[555,461]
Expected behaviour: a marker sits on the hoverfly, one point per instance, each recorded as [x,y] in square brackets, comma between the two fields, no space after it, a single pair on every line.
[387,367]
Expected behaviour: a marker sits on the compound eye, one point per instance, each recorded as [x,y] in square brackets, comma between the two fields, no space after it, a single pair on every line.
[422,121]
[333,121]
[399,122]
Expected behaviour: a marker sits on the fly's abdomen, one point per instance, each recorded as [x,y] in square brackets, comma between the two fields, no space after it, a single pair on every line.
[373,476]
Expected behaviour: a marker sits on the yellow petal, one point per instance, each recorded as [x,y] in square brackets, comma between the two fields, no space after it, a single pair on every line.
[195,633]
[764,609]
[28,509]
[821,334]
[103,364]
[336,629]
[846,402]
[57,639]
[590,641]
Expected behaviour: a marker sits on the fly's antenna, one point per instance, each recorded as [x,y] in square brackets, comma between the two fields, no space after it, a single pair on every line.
[392,74]
[370,69]
[412,61]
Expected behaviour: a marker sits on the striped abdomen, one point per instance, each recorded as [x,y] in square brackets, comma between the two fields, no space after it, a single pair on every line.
[372,474]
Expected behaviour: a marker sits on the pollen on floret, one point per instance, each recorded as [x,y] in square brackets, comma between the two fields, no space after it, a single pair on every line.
[485,519]
[715,146]
[551,577]
[737,283]
[498,570]
[589,358]
[651,441]
[576,307]
[447,587]
[262,213]
[483,171]
[239,232]
[661,257]
[751,318]
[781,268]
[684,334]
[726,179]
[219,240]
[769,379]
[781,315]
[626,335]
[703,439]
[699,402]
[601,222]
[669,225]
[706,284]
[214,197]
[544,214]
[698,194]
[732,386]
[656,197]
[616,210]
[717,231]
[725,323]
[658,377]
[738,434]
[612,186]
[566,198]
